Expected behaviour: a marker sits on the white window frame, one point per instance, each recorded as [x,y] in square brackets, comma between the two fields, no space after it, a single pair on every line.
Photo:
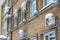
[5,9]
[47,34]
[23,11]
[4,28]
[9,24]
[15,22]
[44,3]
[15,17]
[31,14]
[22,16]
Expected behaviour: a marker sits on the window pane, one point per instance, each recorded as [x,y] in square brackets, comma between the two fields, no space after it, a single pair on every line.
[48,1]
[52,38]
[46,37]
[32,7]
[4,28]
[15,22]
[22,16]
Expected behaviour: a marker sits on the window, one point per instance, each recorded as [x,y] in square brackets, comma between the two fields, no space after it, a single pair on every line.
[32,7]
[33,37]
[15,17]
[9,25]
[50,36]
[4,28]
[23,11]
[10,3]
[22,16]
[15,22]
[5,9]
[45,2]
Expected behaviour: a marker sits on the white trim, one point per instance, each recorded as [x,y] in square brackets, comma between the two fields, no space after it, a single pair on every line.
[23,7]
[7,16]
[15,13]
[4,28]
[32,14]
[47,5]
[53,4]
[47,34]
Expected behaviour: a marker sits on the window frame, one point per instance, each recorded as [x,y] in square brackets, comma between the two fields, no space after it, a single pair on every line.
[22,16]
[15,17]
[48,34]
[34,2]
[44,3]
[33,37]
[9,24]
[4,32]
[15,22]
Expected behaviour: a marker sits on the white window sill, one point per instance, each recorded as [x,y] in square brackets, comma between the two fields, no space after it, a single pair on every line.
[7,16]
[48,6]
[35,12]
[53,4]
[15,16]
[15,26]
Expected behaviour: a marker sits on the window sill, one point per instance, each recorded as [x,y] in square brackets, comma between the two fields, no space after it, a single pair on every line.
[53,4]
[50,5]
[35,13]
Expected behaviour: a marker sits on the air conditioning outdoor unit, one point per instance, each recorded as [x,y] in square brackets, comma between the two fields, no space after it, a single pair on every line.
[50,20]
[21,34]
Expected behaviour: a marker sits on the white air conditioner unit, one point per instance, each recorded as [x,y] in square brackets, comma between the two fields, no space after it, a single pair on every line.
[50,20]
[15,13]
[21,34]
[7,16]
[23,7]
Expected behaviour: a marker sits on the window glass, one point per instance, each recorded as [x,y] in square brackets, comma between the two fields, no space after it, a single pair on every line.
[49,36]
[4,28]
[46,37]
[47,2]
[32,7]
[22,16]
[15,17]
[9,24]
[15,22]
